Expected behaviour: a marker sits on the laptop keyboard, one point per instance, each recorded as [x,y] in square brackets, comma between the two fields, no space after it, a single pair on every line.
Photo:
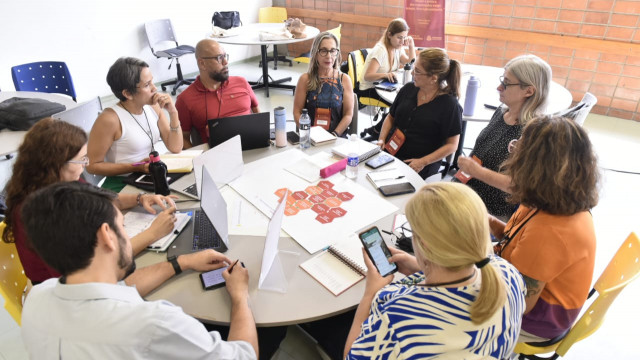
[193,190]
[205,235]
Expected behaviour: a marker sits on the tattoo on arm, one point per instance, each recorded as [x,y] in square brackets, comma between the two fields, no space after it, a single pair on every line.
[533,286]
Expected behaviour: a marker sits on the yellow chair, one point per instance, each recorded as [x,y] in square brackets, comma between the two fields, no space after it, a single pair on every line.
[623,268]
[306,57]
[13,281]
[356,67]
[274,15]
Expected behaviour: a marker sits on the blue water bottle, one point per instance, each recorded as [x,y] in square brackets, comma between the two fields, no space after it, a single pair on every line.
[470,98]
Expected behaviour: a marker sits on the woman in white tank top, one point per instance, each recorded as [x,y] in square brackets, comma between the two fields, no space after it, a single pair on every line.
[126,133]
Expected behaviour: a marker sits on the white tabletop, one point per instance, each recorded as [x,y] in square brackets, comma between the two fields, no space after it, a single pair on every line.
[250,35]
[306,299]
[559,97]
[11,140]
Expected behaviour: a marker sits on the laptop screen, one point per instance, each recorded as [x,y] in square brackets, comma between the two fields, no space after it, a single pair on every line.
[252,128]
[214,206]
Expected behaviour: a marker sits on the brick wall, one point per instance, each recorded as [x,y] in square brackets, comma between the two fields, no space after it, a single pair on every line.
[614,79]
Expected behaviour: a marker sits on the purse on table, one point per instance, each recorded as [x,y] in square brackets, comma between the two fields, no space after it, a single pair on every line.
[226,19]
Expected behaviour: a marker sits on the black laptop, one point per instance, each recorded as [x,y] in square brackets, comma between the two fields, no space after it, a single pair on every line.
[252,128]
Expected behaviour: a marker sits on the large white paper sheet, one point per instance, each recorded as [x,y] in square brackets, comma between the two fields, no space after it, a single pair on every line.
[345,210]
[224,163]
[244,218]
[271,242]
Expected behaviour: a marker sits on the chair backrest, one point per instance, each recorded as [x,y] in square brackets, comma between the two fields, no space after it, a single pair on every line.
[83,115]
[159,31]
[272,15]
[623,268]
[579,112]
[356,67]
[12,278]
[353,127]
[44,76]
[336,31]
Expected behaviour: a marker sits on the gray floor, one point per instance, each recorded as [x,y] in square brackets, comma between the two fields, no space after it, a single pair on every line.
[617,143]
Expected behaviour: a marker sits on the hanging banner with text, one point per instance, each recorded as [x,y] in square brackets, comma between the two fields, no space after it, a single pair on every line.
[426,22]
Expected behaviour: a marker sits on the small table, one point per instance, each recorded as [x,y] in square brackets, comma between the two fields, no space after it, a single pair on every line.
[11,140]
[306,299]
[250,35]
[559,97]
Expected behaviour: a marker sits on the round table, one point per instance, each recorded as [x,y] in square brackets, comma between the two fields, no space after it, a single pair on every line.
[250,35]
[11,140]
[306,299]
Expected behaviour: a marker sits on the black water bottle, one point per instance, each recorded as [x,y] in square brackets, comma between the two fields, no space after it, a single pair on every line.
[158,171]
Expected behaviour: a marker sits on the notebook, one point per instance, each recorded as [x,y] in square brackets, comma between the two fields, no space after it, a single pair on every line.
[338,267]
[385,177]
[209,228]
[137,222]
[181,162]
[254,130]
[319,136]
[364,149]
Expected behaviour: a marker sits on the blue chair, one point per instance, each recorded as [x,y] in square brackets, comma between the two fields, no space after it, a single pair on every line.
[45,76]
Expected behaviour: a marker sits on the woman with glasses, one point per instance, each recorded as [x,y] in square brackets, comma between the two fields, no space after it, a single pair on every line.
[324,90]
[550,239]
[457,301]
[55,151]
[424,122]
[523,90]
[123,135]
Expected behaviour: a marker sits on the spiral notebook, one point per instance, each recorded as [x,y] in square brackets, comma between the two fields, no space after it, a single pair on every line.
[364,149]
[338,267]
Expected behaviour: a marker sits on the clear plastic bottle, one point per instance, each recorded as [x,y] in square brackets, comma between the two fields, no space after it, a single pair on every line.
[352,161]
[305,129]
[158,171]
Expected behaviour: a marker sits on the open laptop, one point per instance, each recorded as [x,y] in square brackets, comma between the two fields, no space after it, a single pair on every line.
[252,128]
[209,227]
[224,163]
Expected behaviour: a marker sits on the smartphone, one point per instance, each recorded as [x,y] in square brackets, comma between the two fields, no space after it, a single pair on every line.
[397,189]
[148,180]
[293,137]
[379,161]
[378,251]
[213,279]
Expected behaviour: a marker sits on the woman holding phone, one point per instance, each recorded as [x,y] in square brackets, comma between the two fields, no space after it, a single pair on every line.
[457,299]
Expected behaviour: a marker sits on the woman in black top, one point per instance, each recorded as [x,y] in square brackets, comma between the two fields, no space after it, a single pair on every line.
[427,112]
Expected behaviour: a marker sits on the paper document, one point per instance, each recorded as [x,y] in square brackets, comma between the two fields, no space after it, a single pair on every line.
[181,162]
[271,242]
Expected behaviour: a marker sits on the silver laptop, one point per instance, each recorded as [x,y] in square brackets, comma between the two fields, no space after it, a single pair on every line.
[209,227]
[223,161]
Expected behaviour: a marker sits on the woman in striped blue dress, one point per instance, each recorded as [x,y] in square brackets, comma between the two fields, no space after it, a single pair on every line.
[458,300]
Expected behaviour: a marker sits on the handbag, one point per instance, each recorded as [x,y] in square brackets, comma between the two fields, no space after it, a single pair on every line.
[226,19]
[21,113]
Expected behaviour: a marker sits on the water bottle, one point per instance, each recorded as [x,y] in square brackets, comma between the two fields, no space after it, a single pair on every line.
[406,76]
[280,116]
[470,98]
[158,171]
[352,160]
[305,130]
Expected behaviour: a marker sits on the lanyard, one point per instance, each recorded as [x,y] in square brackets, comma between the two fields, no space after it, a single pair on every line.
[508,236]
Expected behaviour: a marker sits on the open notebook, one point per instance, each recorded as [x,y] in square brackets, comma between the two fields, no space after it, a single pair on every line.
[137,222]
[338,267]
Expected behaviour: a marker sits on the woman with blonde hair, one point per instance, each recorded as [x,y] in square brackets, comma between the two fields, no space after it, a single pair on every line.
[523,89]
[324,90]
[458,300]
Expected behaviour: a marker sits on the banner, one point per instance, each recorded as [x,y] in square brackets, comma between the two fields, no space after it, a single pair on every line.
[426,22]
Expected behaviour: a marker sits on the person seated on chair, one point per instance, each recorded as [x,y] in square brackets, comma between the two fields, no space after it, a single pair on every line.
[88,311]
[127,132]
[324,90]
[387,57]
[550,239]
[214,94]
[426,113]
[523,89]
[457,300]
[55,151]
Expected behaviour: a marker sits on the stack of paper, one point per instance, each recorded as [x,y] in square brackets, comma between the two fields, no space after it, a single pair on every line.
[181,162]
[385,177]
[364,149]
[319,135]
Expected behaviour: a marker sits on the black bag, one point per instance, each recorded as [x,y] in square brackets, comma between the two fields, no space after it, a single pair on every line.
[226,19]
[20,114]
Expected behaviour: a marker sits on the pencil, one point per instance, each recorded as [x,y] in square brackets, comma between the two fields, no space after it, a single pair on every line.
[234,264]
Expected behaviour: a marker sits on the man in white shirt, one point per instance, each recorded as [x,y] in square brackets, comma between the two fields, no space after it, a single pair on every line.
[89,312]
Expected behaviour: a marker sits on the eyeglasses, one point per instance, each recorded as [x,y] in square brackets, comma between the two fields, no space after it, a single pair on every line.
[512,145]
[84,161]
[506,85]
[218,58]
[325,52]
[418,73]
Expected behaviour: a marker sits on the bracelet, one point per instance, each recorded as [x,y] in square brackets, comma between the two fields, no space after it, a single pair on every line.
[335,134]
[139,197]
[176,266]
[174,128]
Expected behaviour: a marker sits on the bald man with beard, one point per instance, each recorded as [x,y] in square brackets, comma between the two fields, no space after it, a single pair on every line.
[214,94]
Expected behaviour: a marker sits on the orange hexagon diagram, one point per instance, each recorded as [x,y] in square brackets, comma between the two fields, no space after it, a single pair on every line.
[304,204]
[324,218]
[290,211]
[299,195]
[280,192]
[313,190]
[320,208]
[337,212]
[316,198]
[345,196]
[333,202]
[325,184]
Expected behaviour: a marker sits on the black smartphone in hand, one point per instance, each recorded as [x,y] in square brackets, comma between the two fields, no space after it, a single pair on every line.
[397,189]
[377,251]
[212,279]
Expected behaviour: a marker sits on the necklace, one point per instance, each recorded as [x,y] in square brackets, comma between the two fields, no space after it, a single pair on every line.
[148,133]
[452,282]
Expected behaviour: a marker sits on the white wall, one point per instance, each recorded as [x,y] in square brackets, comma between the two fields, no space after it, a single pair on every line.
[90,35]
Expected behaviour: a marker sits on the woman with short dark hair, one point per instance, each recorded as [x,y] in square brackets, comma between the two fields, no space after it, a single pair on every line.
[551,239]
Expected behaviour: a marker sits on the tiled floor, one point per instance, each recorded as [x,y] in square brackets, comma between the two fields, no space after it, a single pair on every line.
[617,143]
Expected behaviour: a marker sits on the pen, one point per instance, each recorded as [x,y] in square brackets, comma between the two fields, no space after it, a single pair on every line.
[234,264]
[140,163]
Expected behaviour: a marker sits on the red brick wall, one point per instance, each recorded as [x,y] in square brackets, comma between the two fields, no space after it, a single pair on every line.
[613,79]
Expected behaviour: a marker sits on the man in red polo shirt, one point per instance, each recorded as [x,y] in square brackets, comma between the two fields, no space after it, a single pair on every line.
[214,94]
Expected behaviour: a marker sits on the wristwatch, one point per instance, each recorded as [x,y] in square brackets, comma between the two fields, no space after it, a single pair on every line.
[176,266]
